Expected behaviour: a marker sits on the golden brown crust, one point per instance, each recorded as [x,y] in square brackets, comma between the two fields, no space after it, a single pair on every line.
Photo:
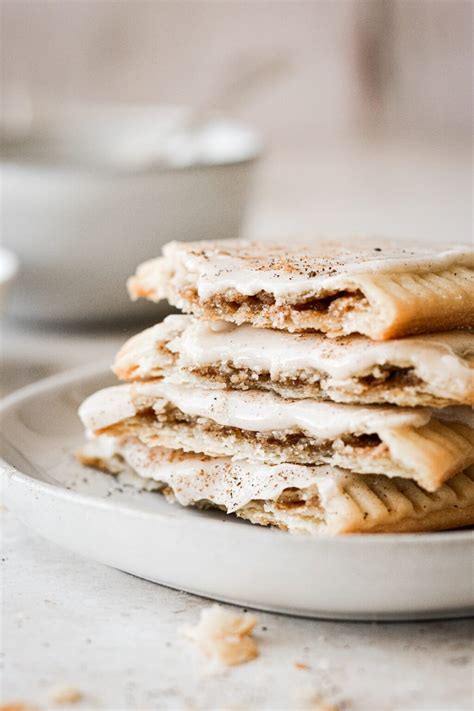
[400,506]
[380,505]
[420,303]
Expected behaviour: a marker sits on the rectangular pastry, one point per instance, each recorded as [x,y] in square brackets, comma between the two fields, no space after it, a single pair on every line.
[296,498]
[261,426]
[378,289]
[434,370]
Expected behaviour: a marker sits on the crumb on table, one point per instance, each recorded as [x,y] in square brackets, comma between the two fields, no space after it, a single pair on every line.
[65,695]
[225,636]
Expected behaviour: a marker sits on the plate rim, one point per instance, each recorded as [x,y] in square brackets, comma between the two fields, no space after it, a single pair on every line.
[101,368]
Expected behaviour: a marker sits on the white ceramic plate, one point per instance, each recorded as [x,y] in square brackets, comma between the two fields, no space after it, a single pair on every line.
[352,577]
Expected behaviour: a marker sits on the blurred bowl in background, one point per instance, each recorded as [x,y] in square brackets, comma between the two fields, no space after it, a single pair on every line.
[88,195]
[8,271]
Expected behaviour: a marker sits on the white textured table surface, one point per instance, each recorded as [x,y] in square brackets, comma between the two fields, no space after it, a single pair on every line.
[116,638]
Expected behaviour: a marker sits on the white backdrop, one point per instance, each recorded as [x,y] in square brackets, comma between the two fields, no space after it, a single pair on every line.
[339,65]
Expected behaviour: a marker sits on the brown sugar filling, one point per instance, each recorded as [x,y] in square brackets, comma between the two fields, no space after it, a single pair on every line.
[245,378]
[232,302]
[391,376]
[294,498]
[347,300]
[296,447]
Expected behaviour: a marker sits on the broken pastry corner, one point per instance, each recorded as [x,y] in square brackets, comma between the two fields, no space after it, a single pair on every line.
[224,636]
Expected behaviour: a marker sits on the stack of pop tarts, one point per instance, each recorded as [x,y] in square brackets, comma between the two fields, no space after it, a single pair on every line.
[319,388]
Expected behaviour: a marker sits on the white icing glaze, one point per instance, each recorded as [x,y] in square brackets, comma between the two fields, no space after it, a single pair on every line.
[265,412]
[111,405]
[146,351]
[249,410]
[289,270]
[106,407]
[223,481]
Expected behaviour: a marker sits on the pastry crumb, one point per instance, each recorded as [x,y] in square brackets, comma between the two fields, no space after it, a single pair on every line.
[65,695]
[302,665]
[225,636]
[309,699]
[17,706]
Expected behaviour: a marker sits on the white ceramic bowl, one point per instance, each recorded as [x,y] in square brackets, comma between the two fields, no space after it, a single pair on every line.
[87,197]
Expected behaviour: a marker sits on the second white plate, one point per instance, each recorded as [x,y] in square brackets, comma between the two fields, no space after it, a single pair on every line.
[352,577]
